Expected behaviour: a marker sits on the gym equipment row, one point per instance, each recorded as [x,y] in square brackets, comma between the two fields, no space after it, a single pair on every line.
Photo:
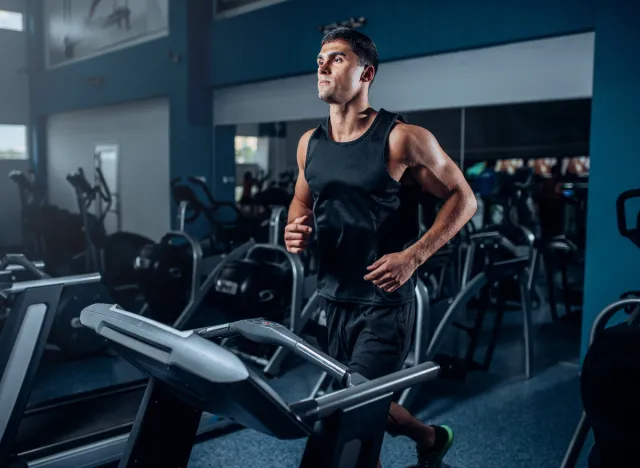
[27,298]
[83,437]
[352,421]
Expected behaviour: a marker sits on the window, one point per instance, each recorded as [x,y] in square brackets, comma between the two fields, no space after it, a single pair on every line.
[13,142]
[11,20]
[246,149]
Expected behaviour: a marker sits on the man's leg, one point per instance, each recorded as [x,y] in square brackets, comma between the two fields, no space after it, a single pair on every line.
[381,340]
[403,423]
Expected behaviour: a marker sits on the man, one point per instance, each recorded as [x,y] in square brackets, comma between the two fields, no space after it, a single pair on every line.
[361,174]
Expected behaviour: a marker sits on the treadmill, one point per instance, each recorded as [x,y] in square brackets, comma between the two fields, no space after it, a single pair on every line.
[191,374]
[88,429]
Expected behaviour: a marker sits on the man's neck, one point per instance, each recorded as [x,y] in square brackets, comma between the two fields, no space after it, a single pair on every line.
[349,121]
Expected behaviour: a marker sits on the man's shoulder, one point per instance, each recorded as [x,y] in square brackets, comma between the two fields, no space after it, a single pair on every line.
[303,144]
[306,136]
[404,135]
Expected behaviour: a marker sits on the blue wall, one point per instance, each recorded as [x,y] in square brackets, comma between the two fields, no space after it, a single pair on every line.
[282,40]
[131,74]
[190,100]
[612,262]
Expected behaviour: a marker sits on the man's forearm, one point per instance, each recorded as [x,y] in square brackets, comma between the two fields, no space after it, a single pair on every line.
[454,214]
[297,209]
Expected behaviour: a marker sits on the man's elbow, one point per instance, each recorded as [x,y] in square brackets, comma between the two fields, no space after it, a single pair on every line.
[472,203]
[469,202]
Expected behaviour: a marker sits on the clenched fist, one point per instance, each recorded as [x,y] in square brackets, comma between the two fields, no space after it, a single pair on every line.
[296,235]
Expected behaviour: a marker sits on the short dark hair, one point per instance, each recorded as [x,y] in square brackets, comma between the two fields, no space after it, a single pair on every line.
[361,45]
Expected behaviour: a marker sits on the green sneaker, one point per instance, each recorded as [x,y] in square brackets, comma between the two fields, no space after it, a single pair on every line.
[432,457]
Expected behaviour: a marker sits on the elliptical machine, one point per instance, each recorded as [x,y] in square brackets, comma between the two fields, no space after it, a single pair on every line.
[111,254]
[49,233]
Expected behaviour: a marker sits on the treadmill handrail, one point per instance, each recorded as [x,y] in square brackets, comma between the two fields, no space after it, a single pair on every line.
[119,326]
[261,330]
[367,391]
[42,283]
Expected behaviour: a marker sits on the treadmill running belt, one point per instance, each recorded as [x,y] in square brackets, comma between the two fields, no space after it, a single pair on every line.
[48,430]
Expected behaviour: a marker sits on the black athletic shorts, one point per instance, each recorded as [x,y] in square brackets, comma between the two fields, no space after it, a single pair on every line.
[371,340]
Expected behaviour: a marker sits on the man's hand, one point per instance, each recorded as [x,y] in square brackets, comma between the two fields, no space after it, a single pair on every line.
[296,235]
[392,270]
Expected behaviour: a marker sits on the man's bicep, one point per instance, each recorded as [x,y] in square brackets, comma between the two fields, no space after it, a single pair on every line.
[432,168]
[302,191]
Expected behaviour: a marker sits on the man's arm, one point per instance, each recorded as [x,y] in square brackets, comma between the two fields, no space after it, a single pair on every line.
[437,174]
[302,202]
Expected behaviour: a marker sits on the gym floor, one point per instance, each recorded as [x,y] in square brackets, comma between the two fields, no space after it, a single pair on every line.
[500,420]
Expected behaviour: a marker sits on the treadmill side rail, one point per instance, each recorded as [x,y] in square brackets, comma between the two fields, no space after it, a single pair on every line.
[22,343]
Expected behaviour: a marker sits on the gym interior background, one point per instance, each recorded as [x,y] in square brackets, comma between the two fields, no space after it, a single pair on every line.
[218,89]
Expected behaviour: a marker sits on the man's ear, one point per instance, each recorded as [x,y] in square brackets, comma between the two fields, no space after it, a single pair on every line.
[368,74]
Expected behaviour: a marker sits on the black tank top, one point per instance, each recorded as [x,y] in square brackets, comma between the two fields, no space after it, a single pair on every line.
[360,212]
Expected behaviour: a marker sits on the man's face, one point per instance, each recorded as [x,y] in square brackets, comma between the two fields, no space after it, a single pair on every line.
[340,77]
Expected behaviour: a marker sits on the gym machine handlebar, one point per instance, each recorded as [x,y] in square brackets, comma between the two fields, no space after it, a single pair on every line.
[266,332]
[190,205]
[41,283]
[127,326]
[319,408]
[83,188]
[21,179]
[632,234]
[19,261]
